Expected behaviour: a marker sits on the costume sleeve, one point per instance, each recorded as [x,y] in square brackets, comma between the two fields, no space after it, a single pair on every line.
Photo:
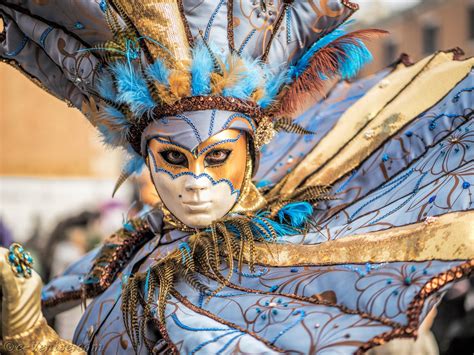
[64,291]
[95,272]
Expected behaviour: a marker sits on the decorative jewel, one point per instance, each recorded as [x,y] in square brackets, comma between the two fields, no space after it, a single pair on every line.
[384,83]
[103,5]
[430,220]
[20,261]
[79,26]
[274,288]
[466,185]
[369,134]
[265,131]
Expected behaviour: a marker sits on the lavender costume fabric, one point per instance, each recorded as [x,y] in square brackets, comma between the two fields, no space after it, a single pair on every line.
[425,169]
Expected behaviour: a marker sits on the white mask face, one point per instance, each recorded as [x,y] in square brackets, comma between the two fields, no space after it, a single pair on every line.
[202,187]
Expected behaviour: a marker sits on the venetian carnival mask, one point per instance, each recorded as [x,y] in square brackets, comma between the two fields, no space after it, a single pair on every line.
[202,185]
[199,170]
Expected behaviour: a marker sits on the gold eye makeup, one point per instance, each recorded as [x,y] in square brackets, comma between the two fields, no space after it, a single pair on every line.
[217,157]
[175,157]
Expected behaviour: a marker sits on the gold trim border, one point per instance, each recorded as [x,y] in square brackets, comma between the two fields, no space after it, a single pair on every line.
[447,237]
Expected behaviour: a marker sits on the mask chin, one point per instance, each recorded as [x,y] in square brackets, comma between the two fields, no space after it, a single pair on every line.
[196,201]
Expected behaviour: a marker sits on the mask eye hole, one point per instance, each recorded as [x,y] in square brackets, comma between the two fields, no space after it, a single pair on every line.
[217,157]
[175,157]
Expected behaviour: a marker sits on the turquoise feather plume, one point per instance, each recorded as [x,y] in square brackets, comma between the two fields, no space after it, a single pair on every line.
[159,72]
[201,69]
[304,62]
[132,89]
[296,214]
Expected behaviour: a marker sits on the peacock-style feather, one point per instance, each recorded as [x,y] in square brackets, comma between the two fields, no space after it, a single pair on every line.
[286,124]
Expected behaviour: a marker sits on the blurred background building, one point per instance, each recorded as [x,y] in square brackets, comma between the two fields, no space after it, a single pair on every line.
[417,28]
[56,178]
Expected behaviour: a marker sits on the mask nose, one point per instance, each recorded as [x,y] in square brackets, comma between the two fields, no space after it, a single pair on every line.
[193,184]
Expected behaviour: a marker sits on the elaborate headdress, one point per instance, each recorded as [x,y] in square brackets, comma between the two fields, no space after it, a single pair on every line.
[129,63]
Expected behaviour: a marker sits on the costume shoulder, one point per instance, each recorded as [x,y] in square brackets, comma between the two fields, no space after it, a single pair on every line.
[94,273]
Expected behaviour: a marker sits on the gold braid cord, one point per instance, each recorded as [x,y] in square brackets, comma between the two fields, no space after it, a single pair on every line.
[229,240]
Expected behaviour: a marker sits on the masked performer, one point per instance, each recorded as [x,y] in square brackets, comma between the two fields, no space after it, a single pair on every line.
[335,236]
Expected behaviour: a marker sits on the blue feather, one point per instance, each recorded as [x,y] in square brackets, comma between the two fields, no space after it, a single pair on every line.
[281,229]
[263,183]
[108,136]
[159,72]
[115,116]
[128,226]
[132,89]
[105,87]
[201,69]
[273,85]
[261,229]
[114,126]
[147,282]
[249,81]
[295,213]
[355,58]
[134,165]
[185,251]
[303,63]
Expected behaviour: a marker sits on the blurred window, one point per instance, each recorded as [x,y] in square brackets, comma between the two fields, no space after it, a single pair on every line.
[471,22]
[430,38]
[390,50]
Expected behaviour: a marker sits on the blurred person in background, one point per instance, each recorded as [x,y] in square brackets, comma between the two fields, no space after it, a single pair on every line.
[69,241]
[454,324]
[5,235]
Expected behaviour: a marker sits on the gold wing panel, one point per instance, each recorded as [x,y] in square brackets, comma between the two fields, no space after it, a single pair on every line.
[440,238]
[381,113]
